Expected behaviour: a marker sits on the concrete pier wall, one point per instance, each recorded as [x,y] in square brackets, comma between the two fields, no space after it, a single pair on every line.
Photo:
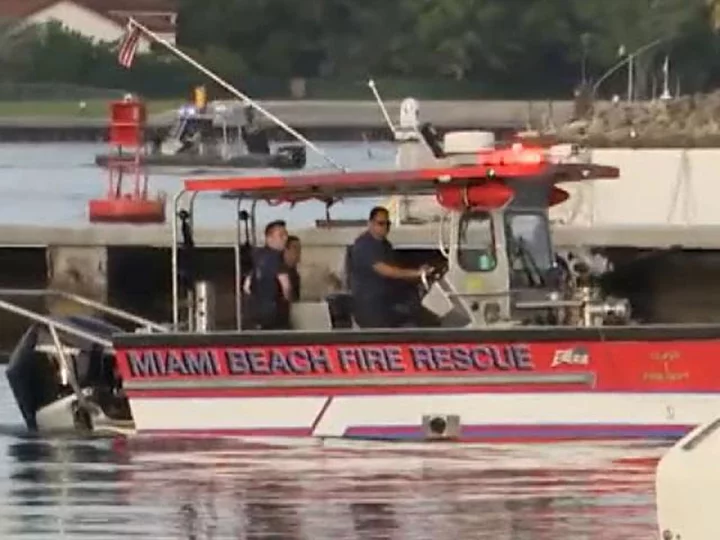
[82,270]
[656,187]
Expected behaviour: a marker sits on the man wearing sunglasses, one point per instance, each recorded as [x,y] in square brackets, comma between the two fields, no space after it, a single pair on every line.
[373,276]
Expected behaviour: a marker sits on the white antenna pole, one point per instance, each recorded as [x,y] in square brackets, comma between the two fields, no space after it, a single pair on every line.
[371,84]
[395,200]
[230,88]
[666,79]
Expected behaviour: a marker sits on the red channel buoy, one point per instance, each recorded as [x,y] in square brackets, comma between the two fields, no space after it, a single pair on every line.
[127,210]
[127,128]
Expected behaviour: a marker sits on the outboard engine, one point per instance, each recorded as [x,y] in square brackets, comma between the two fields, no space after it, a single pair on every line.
[41,386]
[33,380]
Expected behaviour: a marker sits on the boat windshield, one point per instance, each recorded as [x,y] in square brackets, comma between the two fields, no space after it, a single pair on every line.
[529,248]
[176,130]
[476,242]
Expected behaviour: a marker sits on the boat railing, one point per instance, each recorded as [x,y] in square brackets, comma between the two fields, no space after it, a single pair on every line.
[87,302]
[525,304]
[55,326]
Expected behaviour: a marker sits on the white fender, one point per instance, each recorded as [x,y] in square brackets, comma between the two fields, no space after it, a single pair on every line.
[687,483]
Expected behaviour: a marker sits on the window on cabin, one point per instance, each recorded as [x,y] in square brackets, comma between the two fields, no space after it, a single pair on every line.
[476,242]
[529,248]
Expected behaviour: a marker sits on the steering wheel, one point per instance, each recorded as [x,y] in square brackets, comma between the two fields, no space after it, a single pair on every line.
[430,276]
[425,280]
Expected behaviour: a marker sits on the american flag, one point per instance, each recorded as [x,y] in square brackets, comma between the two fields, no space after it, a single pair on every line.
[129,45]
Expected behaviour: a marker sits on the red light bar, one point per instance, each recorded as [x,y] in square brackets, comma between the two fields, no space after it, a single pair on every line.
[516,154]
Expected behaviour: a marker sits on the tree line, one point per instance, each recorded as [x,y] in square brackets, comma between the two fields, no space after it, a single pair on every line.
[428,48]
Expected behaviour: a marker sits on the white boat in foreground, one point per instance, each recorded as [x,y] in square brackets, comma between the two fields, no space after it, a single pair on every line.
[688,477]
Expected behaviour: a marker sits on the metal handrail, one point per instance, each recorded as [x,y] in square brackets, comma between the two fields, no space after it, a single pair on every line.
[525,304]
[83,301]
[541,304]
[47,321]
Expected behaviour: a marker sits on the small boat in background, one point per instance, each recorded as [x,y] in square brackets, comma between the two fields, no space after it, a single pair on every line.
[214,137]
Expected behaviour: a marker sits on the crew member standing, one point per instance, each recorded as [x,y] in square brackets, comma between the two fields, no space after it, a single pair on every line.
[292,255]
[373,277]
[269,284]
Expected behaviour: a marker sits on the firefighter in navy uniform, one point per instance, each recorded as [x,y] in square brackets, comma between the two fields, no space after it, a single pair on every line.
[374,279]
[268,286]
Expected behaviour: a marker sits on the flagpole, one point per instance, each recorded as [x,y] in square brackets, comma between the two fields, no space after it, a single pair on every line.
[230,88]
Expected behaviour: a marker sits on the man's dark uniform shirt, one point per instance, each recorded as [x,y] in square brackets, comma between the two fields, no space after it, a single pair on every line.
[294,277]
[372,293]
[268,305]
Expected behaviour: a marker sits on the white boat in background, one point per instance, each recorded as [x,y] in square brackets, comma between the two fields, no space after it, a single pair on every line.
[687,480]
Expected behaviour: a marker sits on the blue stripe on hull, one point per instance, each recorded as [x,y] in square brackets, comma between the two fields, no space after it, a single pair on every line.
[529,433]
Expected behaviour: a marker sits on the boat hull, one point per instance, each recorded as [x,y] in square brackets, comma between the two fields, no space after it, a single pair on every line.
[488,418]
[525,385]
[288,158]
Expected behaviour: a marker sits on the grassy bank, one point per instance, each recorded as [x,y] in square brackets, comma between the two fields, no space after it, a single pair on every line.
[94,108]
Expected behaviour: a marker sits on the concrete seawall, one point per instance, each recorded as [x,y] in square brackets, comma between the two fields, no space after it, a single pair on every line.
[657,187]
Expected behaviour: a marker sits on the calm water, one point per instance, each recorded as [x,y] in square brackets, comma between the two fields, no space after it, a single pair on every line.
[146,488]
[83,489]
[50,184]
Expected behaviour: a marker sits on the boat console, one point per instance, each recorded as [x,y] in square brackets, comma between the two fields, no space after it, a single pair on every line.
[502,269]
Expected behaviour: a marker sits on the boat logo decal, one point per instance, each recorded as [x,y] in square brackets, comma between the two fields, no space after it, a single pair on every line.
[665,370]
[576,356]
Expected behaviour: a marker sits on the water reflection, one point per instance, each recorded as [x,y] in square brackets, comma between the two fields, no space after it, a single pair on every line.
[373,520]
[224,489]
[49,482]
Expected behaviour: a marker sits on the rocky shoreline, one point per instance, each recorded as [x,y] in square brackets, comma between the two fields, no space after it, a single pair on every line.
[685,122]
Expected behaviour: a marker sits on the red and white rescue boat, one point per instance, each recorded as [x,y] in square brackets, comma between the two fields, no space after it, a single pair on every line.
[526,349]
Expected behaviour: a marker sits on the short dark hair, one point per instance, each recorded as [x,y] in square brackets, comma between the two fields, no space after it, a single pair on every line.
[376,211]
[270,227]
[292,239]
